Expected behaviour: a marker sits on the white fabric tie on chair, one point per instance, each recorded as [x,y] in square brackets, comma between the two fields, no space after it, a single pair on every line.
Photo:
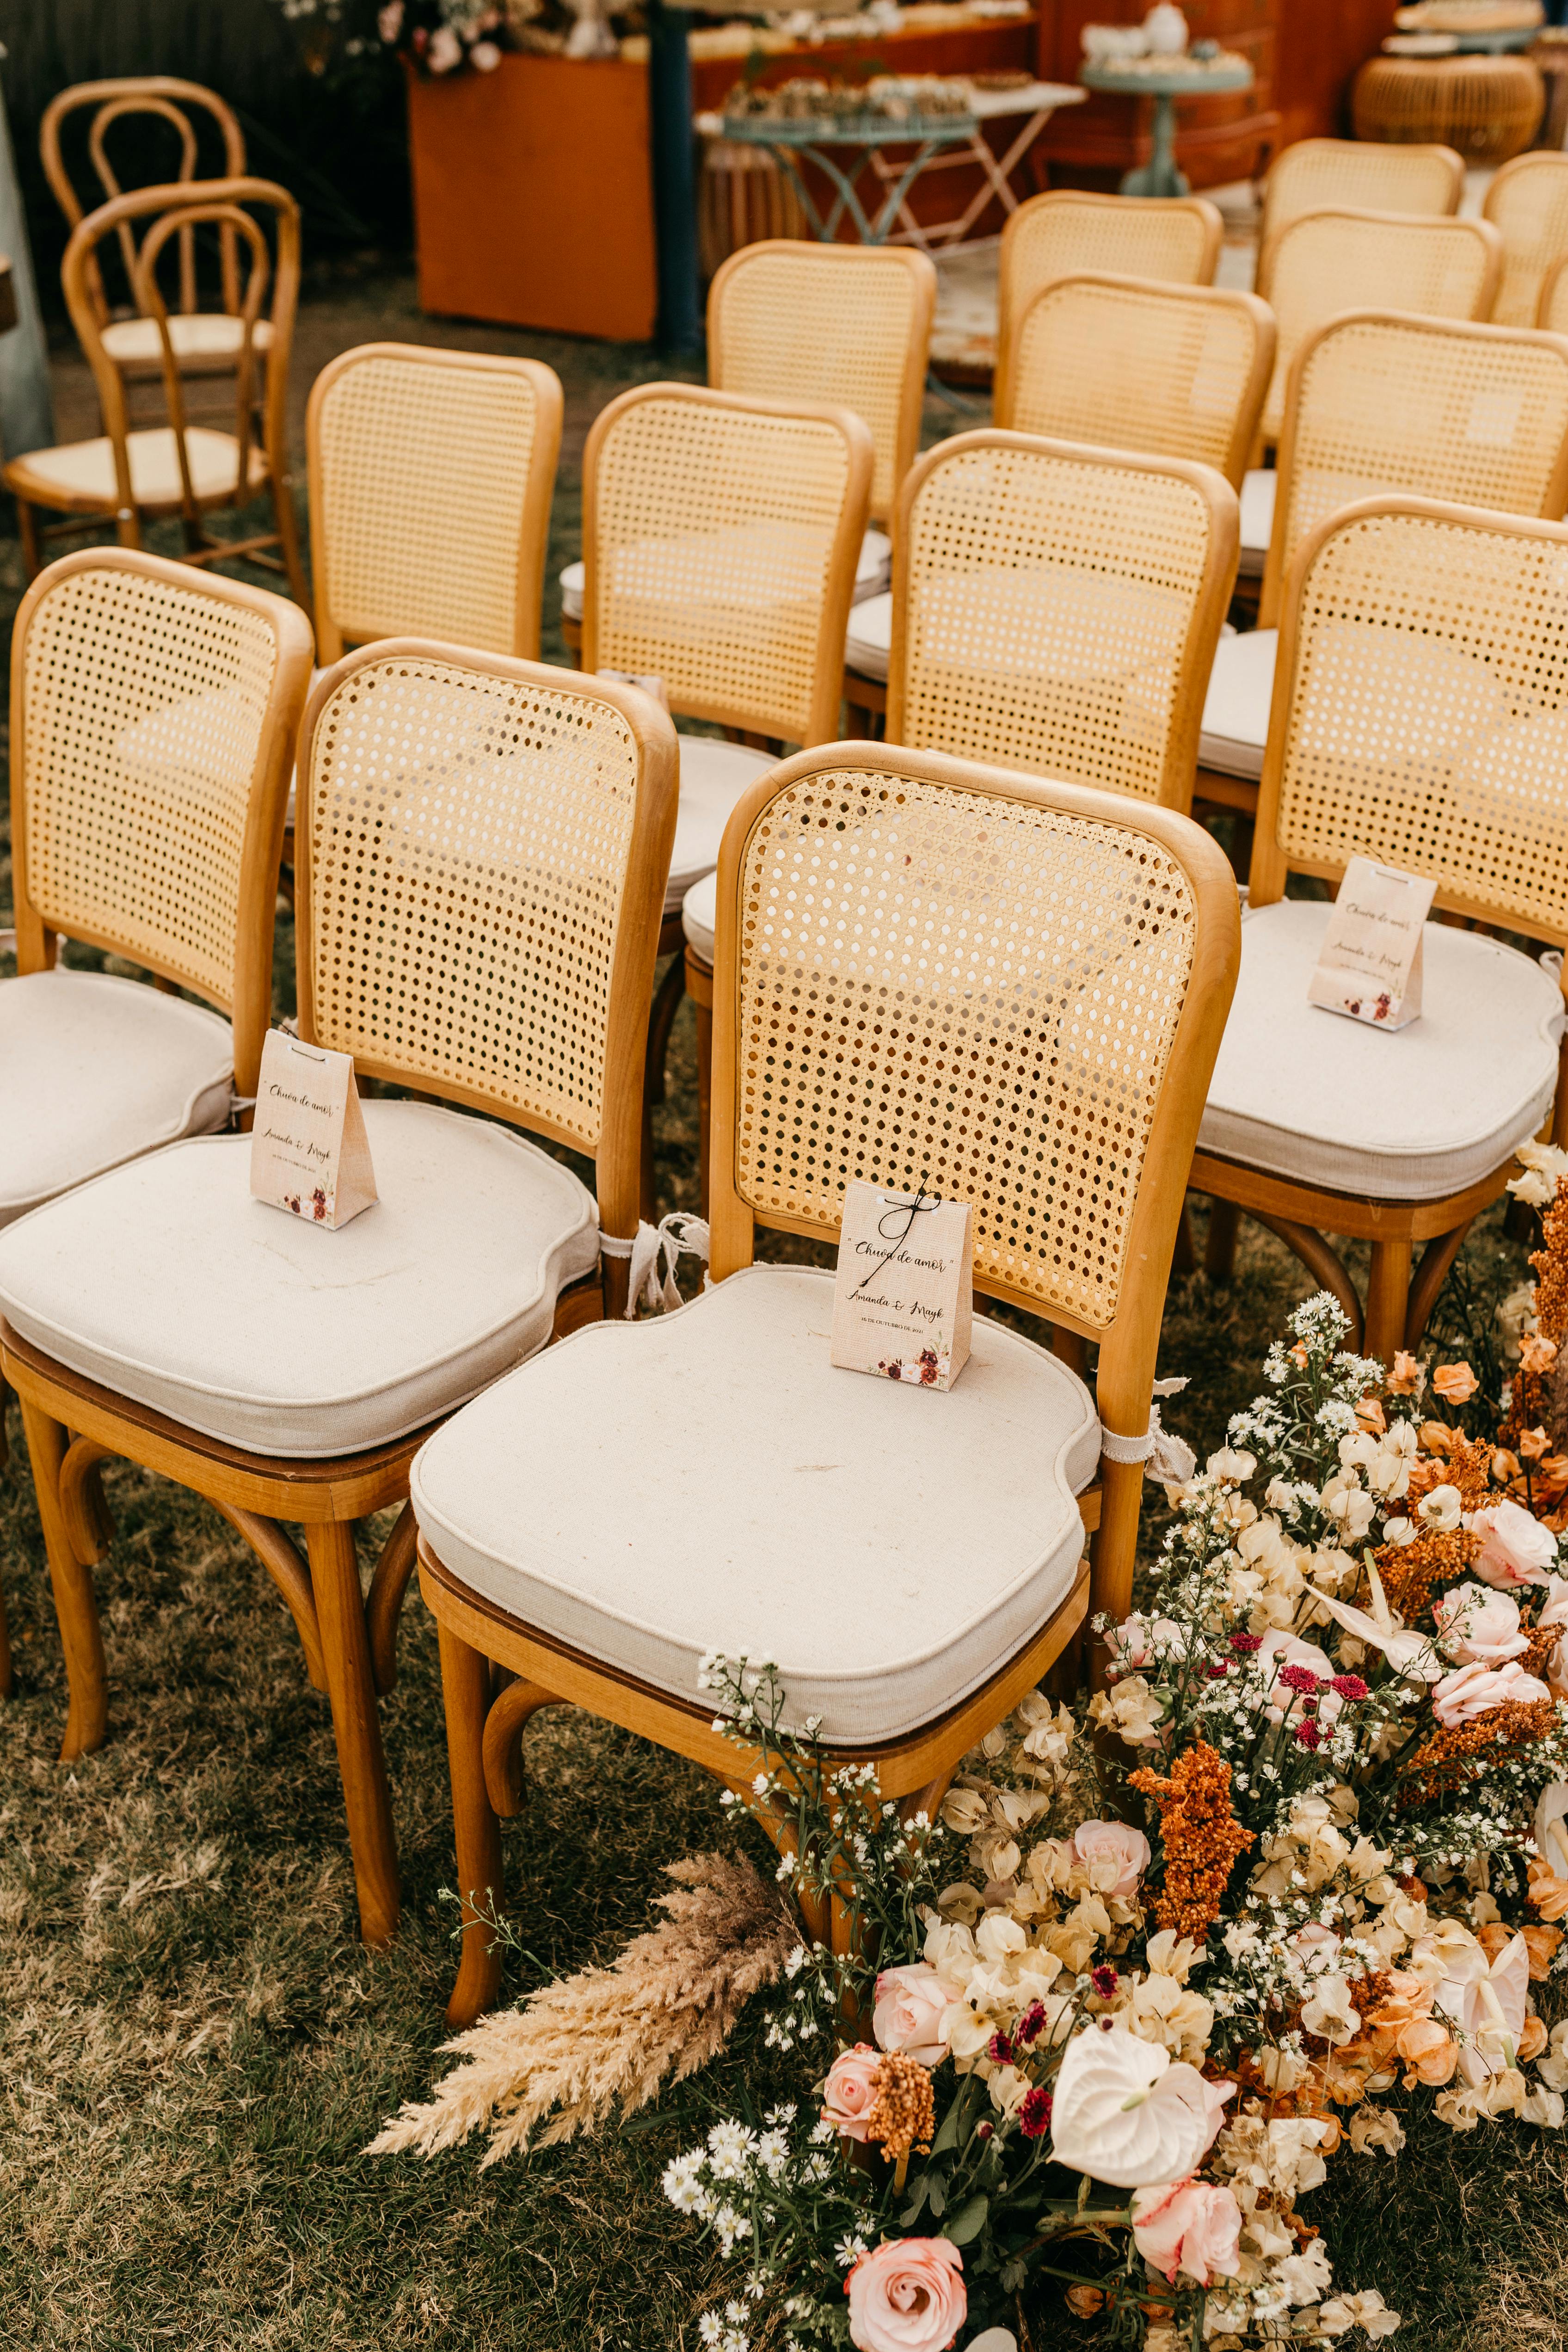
[1171,1458]
[654,1254]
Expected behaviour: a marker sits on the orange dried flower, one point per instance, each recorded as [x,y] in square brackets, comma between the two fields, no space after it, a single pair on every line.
[1537,1354]
[1434,1436]
[1548,1892]
[1406,1376]
[1449,1758]
[1543,1942]
[902,2115]
[1370,1415]
[1085,2302]
[1429,2053]
[1202,1838]
[1532,1443]
[1455,1383]
[1410,1572]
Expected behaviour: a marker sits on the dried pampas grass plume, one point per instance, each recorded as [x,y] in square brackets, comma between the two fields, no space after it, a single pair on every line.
[668,2005]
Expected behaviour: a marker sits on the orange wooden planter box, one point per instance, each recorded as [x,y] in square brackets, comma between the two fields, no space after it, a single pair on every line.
[533,202]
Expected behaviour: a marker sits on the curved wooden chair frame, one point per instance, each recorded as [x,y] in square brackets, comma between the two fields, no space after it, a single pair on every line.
[1363,171]
[485,1725]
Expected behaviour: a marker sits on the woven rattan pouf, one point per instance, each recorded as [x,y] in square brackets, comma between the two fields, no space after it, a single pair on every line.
[1487,107]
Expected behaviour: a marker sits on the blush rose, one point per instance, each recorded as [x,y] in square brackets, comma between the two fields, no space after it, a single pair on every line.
[1191,2225]
[848,2092]
[907,2295]
[911,2014]
[1118,1844]
[1516,1548]
[1478,1626]
[1471,1691]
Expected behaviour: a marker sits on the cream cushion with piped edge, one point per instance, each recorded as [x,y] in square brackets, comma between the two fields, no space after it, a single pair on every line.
[699,913]
[713,777]
[1412,1114]
[166,1283]
[96,1070]
[1236,707]
[708,1480]
[1258,488]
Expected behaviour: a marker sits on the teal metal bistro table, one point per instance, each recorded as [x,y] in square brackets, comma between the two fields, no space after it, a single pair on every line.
[1166,80]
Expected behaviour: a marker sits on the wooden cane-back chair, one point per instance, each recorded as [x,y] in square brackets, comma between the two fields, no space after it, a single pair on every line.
[152,717]
[849,324]
[1371,174]
[1420,717]
[1552,312]
[1382,401]
[1527,203]
[1008,992]
[1071,229]
[1324,262]
[130,476]
[1172,370]
[431,474]
[204,341]
[483,844]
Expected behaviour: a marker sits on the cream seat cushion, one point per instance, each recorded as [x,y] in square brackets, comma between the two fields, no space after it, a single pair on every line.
[195,336]
[1236,707]
[167,1284]
[699,914]
[1408,1115]
[871,570]
[96,1070]
[713,777]
[1258,488]
[648,1492]
[868,641]
[84,470]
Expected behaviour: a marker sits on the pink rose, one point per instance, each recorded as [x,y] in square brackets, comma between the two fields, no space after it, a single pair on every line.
[1130,1644]
[1191,2225]
[1479,1627]
[1116,1843]
[1518,1549]
[847,2093]
[1471,1691]
[907,2295]
[911,2014]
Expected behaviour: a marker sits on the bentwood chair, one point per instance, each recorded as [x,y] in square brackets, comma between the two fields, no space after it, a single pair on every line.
[1068,230]
[1551,313]
[131,476]
[1054,608]
[152,715]
[483,850]
[1420,717]
[1320,264]
[604,1517]
[1128,363]
[204,342]
[1375,175]
[849,324]
[1382,401]
[1527,203]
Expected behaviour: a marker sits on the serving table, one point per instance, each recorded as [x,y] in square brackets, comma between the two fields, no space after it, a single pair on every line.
[1166,80]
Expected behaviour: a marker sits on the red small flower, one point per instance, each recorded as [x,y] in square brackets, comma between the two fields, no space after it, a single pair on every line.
[999,2049]
[1029,2024]
[1220,1669]
[984,2130]
[1349,1687]
[1246,1642]
[1034,2116]
[1104,1980]
[1298,1678]
[1309,1736]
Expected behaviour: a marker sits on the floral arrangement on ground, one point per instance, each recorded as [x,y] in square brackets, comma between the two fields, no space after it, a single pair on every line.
[1167,1951]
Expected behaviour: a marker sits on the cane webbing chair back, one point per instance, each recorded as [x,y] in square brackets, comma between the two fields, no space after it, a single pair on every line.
[1552,313]
[1071,229]
[929,972]
[1382,401]
[1172,370]
[1421,710]
[1325,262]
[1056,608]
[431,474]
[153,711]
[720,536]
[482,848]
[849,324]
[1371,174]
[1528,204]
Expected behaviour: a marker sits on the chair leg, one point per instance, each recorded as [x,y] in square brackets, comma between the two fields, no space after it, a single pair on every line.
[350,1685]
[1219,1256]
[1388,1299]
[1112,1552]
[27,531]
[705,1095]
[1184,1256]
[76,1603]
[289,538]
[465,1690]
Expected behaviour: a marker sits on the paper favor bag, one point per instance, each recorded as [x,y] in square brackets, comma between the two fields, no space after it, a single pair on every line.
[308,1150]
[903,1298]
[1369,966]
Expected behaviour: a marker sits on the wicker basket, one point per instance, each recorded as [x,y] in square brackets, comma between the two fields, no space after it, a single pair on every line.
[1487,107]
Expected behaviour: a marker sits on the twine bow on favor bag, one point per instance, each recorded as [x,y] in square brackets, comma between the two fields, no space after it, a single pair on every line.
[1170,1458]
[654,1252]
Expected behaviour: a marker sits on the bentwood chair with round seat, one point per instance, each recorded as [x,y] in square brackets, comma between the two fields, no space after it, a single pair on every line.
[483,850]
[1170,371]
[1055,608]
[848,324]
[152,719]
[1383,401]
[721,535]
[1322,263]
[1377,175]
[1527,203]
[130,476]
[204,342]
[599,1521]
[1068,230]
[1420,717]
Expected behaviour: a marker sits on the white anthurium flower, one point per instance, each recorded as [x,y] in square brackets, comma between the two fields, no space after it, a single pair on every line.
[1406,1652]
[1487,2002]
[1550,1828]
[1124,2112]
